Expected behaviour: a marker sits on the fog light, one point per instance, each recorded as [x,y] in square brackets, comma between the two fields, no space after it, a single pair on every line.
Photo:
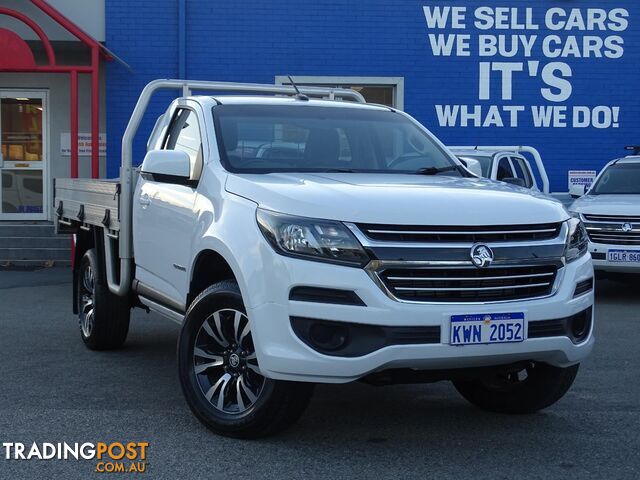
[328,336]
[580,325]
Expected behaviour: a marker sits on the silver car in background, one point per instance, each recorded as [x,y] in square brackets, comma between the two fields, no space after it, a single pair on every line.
[610,210]
[503,165]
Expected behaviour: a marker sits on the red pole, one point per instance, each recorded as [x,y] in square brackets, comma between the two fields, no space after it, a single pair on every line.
[74,124]
[95,113]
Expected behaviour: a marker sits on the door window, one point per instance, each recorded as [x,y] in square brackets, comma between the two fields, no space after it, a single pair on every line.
[22,192]
[21,123]
[521,171]
[184,134]
[504,169]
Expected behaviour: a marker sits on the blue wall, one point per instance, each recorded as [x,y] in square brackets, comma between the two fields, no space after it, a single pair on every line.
[252,41]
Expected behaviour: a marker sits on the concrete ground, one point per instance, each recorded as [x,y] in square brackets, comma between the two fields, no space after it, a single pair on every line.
[53,390]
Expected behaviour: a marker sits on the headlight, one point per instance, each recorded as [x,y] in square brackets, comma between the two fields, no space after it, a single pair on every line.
[577,241]
[320,240]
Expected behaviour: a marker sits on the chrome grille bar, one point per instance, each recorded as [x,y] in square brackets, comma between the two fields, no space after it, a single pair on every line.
[591,228]
[612,218]
[470,289]
[434,279]
[460,234]
[613,235]
[444,232]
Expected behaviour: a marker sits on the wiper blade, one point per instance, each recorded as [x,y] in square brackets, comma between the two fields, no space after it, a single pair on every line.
[435,170]
[337,170]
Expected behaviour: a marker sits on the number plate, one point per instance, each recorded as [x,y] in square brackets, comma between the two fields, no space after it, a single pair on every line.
[487,328]
[624,256]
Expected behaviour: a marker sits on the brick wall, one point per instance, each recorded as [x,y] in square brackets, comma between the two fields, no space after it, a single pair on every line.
[252,41]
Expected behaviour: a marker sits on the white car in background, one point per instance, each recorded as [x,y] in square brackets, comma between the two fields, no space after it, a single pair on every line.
[504,164]
[610,211]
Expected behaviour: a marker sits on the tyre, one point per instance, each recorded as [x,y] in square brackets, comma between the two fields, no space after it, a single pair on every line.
[103,316]
[519,391]
[219,371]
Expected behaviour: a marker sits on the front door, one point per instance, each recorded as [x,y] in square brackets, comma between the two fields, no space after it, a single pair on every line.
[164,212]
[23,155]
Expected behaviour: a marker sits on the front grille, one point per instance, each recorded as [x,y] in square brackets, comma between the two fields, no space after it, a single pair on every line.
[468,234]
[610,229]
[612,218]
[469,284]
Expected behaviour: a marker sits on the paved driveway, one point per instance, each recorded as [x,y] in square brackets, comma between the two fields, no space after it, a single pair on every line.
[52,390]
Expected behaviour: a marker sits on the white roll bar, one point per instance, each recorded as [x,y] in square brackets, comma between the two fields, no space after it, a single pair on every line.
[516,149]
[126,166]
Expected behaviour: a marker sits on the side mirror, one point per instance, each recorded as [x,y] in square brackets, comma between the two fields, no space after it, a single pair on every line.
[577,191]
[473,166]
[167,165]
[514,181]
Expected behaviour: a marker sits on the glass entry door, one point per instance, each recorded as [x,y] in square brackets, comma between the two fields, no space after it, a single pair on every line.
[23,155]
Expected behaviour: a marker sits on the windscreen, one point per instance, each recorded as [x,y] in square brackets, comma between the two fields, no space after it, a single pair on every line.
[309,138]
[619,179]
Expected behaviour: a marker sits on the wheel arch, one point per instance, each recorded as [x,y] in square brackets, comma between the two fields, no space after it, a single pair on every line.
[83,241]
[210,267]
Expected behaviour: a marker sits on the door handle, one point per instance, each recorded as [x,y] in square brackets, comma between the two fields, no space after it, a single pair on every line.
[144,200]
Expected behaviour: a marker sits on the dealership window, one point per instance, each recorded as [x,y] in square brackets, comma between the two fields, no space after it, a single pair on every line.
[383,90]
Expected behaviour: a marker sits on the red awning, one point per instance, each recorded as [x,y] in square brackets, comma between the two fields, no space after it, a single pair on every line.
[16,56]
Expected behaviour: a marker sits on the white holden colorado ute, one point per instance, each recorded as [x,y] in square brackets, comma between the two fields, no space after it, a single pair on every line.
[301,241]
[610,210]
[504,164]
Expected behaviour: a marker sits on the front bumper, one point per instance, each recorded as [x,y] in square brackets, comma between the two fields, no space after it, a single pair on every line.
[600,263]
[283,355]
